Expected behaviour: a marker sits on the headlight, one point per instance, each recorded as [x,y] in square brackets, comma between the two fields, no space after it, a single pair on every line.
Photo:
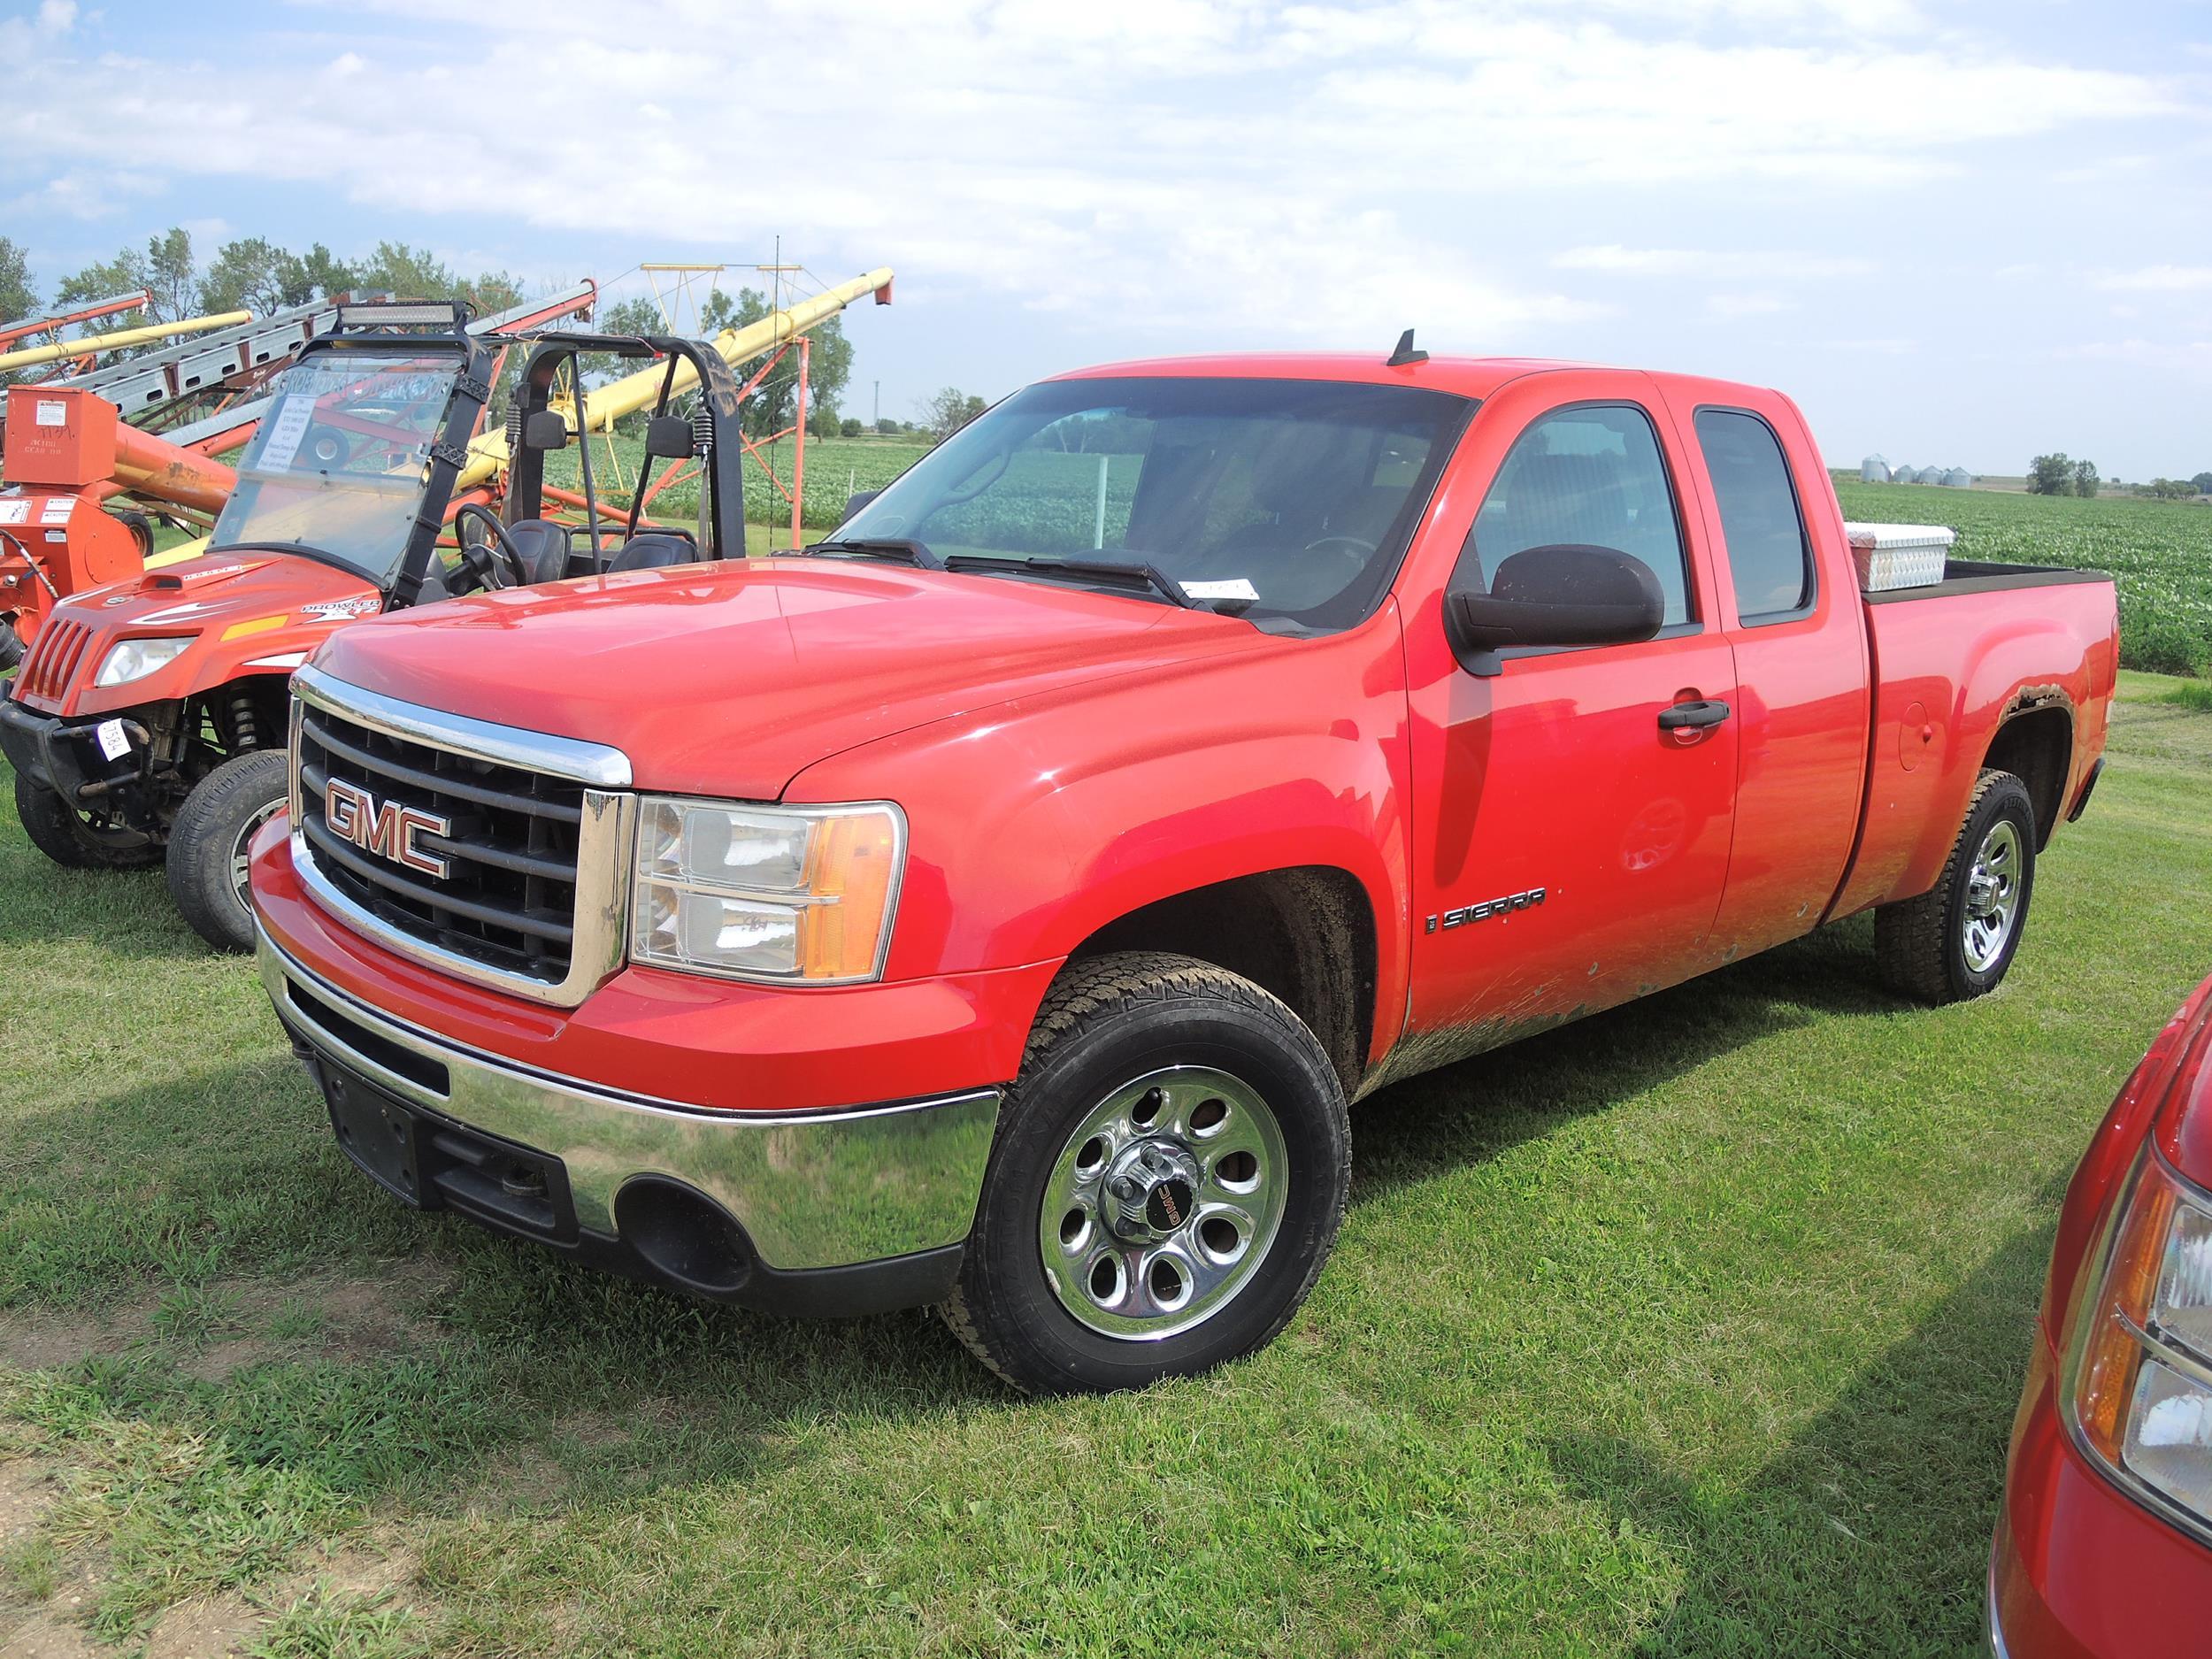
[796,893]
[2140,1362]
[135,659]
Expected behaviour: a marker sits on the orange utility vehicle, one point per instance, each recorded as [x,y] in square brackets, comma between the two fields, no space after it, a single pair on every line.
[148,721]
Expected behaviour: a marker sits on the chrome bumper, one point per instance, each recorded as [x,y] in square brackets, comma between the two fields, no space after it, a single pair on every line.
[814,1190]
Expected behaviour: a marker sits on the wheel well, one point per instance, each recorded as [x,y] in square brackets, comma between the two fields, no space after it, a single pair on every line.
[266,701]
[1306,934]
[2036,745]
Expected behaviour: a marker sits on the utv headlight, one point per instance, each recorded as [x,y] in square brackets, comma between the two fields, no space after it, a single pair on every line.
[2139,1362]
[800,894]
[135,659]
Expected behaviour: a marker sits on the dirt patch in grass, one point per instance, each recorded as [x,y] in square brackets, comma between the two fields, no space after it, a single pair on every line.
[229,1324]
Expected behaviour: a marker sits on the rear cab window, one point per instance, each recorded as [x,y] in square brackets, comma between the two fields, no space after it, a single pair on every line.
[1768,555]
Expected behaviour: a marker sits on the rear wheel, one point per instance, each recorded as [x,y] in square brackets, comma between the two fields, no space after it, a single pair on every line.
[1170,1168]
[1956,940]
[208,847]
[76,840]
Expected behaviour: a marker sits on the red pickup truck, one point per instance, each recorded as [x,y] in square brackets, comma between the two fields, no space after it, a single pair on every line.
[1000,904]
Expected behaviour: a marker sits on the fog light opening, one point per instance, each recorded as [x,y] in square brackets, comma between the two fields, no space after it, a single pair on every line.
[683,1235]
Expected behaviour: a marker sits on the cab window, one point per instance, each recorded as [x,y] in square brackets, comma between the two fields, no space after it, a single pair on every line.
[1590,476]
[1770,559]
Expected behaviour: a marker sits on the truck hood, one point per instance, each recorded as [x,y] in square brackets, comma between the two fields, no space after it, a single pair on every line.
[731,679]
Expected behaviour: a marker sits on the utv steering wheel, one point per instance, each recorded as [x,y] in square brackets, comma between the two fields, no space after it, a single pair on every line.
[484,560]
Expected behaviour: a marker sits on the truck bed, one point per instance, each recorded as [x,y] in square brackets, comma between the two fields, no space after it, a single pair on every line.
[1951,661]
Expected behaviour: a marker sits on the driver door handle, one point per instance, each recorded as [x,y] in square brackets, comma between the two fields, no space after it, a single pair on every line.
[1692,716]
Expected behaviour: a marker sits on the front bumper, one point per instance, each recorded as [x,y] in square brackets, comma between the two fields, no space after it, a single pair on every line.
[2079,1570]
[829,1212]
[65,755]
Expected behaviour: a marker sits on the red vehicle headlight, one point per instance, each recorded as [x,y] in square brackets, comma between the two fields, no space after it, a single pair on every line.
[2138,1363]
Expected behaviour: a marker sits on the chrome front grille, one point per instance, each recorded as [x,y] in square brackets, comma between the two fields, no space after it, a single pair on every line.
[490,852]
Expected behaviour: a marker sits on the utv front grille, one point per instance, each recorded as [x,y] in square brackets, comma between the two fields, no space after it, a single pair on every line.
[488,851]
[53,660]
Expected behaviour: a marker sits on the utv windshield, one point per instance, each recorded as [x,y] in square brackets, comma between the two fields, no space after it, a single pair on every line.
[1289,501]
[338,465]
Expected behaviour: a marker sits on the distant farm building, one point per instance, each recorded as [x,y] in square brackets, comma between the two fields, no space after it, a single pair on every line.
[1874,470]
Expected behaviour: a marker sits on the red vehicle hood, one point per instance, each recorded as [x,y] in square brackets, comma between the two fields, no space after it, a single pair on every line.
[2185,1123]
[240,607]
[732,680]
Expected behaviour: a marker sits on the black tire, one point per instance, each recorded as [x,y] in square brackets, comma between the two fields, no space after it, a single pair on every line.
[75,841]
[1923,946]
[11,645]
[1107,1025]
[207,847]
[142,529]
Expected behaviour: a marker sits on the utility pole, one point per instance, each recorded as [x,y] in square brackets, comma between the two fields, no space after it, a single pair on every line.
[877,417]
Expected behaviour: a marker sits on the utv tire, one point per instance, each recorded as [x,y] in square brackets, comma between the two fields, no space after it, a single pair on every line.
[207,849]
[1170,1170]
[1956,939]
[74,842]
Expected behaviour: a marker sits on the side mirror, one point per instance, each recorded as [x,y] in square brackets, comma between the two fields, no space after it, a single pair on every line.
[1565,594]
[854,503]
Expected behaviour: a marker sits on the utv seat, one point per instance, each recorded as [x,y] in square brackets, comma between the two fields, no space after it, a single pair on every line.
[654,550]
[544,548]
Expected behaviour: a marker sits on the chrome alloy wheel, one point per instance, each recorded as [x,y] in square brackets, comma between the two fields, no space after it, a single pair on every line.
[1993,896]
[1164,1202]
[239,858]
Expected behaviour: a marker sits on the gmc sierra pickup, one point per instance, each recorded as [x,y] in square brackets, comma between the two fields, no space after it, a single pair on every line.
[1000,904]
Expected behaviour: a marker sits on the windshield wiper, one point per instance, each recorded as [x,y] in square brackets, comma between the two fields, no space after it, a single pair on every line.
[1148,573]
[914,552]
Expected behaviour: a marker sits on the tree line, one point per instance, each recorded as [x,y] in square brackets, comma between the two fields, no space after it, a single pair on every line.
[2059,474]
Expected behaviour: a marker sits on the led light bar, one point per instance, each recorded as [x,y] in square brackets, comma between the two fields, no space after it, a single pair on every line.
[404,314]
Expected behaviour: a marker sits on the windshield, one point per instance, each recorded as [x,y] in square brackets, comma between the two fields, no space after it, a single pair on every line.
[340,460]
[1290,500]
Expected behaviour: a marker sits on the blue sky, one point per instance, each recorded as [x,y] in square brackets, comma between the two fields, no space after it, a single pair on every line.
[1957,234]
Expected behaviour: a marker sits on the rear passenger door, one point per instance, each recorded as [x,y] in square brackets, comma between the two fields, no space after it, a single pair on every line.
[1576,850]
[1793,617]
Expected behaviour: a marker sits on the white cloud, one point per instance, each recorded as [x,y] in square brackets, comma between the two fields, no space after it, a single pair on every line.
[2159,279]
[1222,167]
[1754,266]
[1733,305]
[57,17]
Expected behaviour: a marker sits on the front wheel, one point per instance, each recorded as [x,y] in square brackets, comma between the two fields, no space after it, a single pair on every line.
[79,841]
[207,849]
[1170,1168]
[1956,940]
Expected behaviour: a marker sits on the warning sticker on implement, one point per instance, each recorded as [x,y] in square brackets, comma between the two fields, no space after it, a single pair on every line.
[15,512]
[113,743]
[52,412]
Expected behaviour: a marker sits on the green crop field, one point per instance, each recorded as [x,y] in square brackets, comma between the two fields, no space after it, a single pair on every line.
[2160,551]
[835,468]
[1695,1329]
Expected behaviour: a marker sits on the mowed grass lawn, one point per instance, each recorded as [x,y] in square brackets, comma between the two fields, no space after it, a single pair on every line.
[1693,1329]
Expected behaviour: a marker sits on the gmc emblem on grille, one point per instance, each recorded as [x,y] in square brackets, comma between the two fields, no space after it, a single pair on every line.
[384,827]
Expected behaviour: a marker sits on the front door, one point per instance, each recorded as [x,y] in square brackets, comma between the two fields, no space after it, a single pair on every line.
[1578,848]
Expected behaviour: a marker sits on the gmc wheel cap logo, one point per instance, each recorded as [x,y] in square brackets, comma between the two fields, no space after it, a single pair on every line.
[384,827]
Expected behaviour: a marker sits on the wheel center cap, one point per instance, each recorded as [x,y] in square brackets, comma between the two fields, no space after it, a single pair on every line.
[1149,1190]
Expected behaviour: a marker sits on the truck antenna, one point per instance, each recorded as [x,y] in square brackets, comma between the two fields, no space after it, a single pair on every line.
[1405,353]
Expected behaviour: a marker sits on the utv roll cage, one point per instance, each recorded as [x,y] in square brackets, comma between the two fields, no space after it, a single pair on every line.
[535,428]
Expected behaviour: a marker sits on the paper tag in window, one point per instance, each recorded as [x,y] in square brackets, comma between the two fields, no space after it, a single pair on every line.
[52,412]
[1237,589]
[285,430]
[112,742]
